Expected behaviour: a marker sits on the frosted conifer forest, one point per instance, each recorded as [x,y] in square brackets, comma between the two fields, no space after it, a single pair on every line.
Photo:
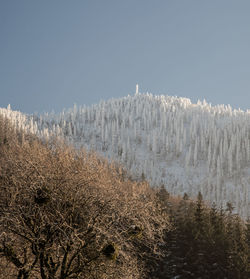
[167,140]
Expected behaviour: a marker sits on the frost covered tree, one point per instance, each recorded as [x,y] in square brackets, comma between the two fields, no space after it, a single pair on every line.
[186,144]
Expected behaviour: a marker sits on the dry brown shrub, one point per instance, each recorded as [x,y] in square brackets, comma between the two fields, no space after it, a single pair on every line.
[70,214]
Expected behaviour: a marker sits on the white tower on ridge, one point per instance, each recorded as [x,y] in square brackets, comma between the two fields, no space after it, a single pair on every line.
[136,89]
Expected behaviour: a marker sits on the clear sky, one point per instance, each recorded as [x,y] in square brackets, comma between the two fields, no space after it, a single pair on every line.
[54,53]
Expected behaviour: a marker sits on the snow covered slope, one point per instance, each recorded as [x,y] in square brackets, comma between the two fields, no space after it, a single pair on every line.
[167,140]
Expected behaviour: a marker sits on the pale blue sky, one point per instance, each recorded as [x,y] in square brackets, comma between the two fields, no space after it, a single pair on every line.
[57,53]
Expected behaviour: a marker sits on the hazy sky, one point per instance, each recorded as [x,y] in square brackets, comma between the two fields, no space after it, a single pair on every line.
[57,53]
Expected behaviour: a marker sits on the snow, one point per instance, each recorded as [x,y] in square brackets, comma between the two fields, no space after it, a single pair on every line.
[187,147]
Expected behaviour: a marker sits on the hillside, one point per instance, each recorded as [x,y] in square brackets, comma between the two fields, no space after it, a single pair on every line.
[167,140]
[67,213]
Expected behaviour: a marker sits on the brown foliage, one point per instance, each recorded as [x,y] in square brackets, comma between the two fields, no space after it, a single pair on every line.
[69,214]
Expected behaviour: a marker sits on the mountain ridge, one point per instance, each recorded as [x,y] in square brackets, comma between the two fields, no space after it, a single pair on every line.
[167,140]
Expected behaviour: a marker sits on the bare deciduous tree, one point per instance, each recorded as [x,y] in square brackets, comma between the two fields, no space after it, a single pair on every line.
[70,214]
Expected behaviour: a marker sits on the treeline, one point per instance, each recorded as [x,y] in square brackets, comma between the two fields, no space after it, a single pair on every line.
[205,242]
[71,214]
